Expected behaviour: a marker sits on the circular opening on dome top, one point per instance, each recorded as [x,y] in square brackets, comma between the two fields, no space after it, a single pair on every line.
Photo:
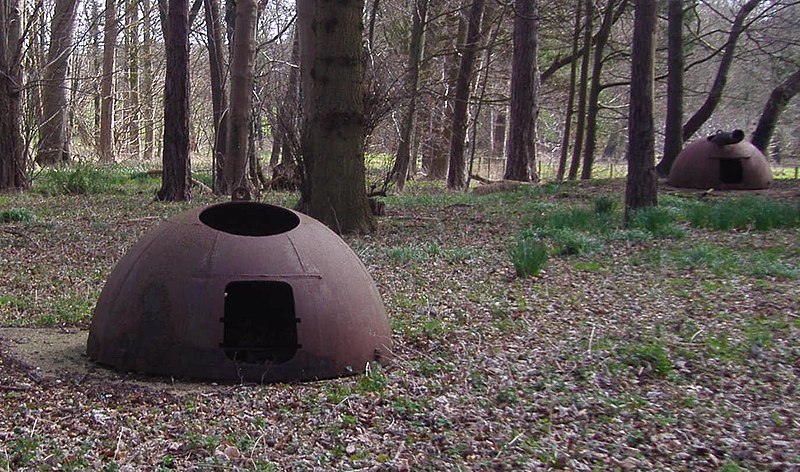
[249,219]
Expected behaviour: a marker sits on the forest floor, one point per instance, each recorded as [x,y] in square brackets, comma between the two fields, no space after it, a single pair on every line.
[630,351]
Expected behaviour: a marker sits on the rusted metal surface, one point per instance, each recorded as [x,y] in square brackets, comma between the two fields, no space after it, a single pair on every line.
[240,291]
[723,161]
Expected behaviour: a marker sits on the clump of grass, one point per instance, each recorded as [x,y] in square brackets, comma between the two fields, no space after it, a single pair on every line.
[604,205]
[745,212]
[657,221]
[528,256]
[82,178]
[651,355]
[14,215]
[567,242]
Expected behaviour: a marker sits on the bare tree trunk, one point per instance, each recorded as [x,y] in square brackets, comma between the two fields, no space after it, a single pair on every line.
[401,164]
[583,83]
[176,172]
[775,105]
[641,189]
[715,94]
[286,129]
[456,178]
[437,162]
[12,155]
[105,147]
[332,71]
[148,107]
[593,105]
[53,146]
[673,140]
[565,137]
[521,151]
[133,111]
[242,61]
[219,100]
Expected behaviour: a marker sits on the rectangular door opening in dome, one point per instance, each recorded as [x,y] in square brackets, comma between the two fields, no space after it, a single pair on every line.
[731,171]
[259,323]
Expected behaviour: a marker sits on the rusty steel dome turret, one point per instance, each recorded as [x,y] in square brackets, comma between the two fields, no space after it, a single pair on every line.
[240,291]
[722,161]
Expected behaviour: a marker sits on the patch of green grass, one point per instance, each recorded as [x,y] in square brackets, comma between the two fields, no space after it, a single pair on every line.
[604,205]
[373,380]
[744,212]
[81,178]
[657,221]
[70,310]
[405,254]
[568,242]
[652,356]
[722,261]
[528,256]
[507,395]
[16,215]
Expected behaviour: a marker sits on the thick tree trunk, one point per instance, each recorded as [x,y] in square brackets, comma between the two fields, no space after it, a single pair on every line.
[641,189]
[12,156]
[456,175]
[401,164]
[176,171]
[573,69]
[219,100]
[715,94]
[332,70]
[575,161]
[775,105]
[673,141]
[53,144]
[105,148]
[521,151]
[593,104]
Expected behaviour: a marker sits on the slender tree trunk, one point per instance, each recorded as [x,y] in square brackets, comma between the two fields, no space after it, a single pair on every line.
[775,105]
[219,100]
[583,84]
[593,105]
[332,71]
[456,178]
[97,60]
[176,171]
[715,94]
[521,151]
[287,124]
[133,111]
[242,61]
[12,156]
[148,108]
[417,41]
[565,137]
[673,141]
[437,163]
[106,145]
[641,189]
[53,146]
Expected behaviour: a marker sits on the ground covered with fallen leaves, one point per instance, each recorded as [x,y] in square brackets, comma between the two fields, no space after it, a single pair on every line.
[632,353]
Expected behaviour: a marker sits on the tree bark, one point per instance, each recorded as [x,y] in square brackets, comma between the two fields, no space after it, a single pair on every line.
[399,171]
[641,188]
[219,100]
[53,144]
[456,175]
[176,174]
[332,71]
[133,110]
[148,107]
[105,148]
[715,94]
[582,89]
[565,137]
[673,140]
[775,105]
[242,60]
[285,133]
[13,174]
[593,103]
[521,150]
